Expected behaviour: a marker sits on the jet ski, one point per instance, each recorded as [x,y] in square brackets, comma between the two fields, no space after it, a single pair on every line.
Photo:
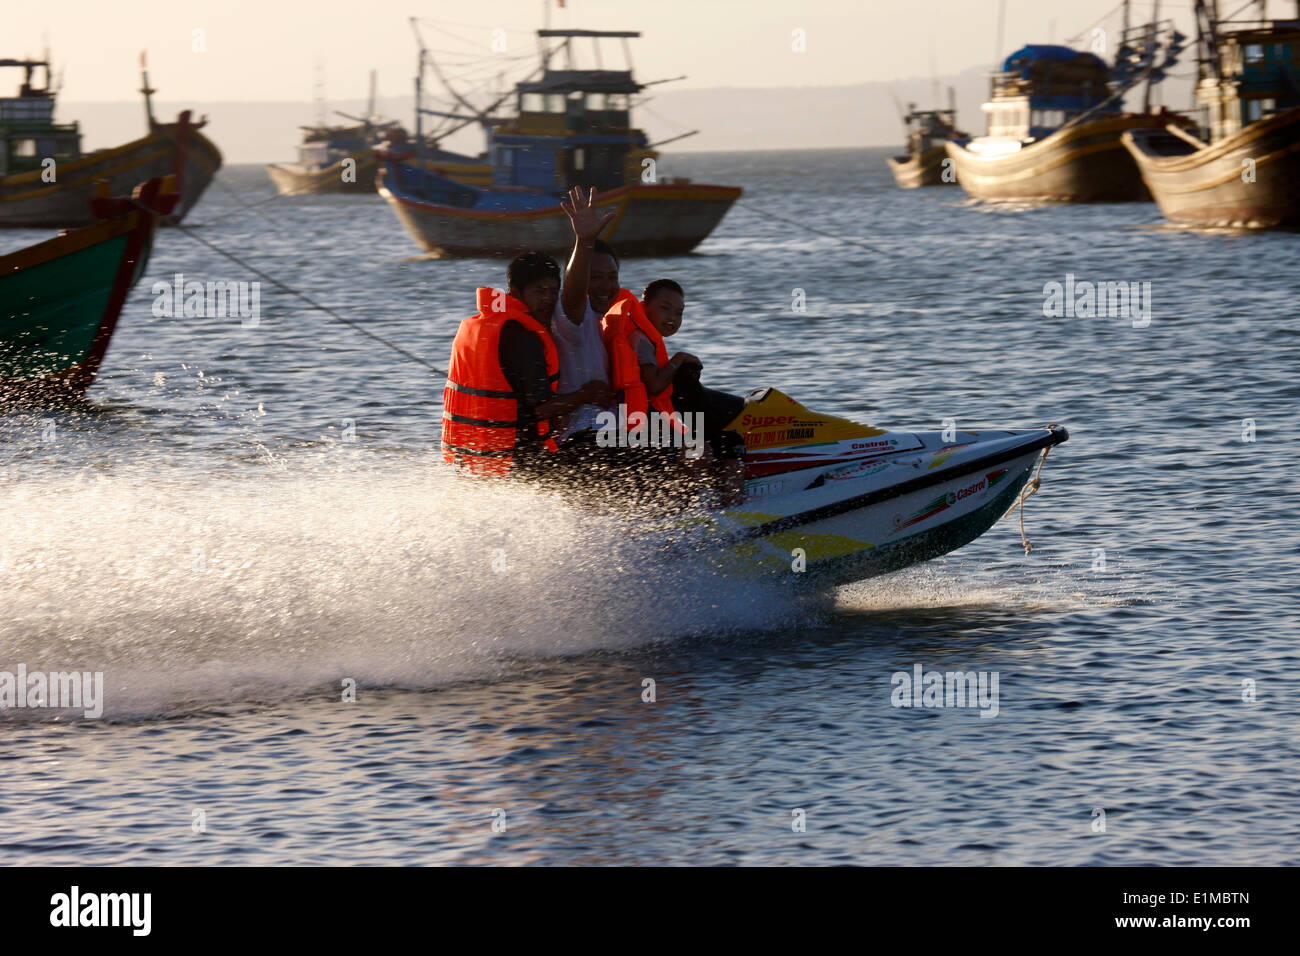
[841,501]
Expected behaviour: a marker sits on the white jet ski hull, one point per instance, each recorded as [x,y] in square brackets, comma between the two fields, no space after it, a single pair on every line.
[841,502]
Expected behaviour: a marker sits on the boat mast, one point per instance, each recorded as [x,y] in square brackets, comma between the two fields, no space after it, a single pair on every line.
[1207,38]
[419,78]
[1152,33]
[318,91]
[997,50]
[147,90]
[934,77]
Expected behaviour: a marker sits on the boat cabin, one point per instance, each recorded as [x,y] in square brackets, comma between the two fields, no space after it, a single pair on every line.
[927,129]
[28,133]
[1041,88]
[1248,74]
[573,127]
[324,146]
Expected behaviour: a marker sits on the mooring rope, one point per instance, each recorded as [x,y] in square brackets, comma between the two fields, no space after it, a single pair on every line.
[1030,488]
[821,232]
[302,295]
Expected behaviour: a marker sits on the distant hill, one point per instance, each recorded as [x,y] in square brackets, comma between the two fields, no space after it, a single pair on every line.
[729,118]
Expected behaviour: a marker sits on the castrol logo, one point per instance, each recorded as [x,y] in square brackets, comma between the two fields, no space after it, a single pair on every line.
[972,489]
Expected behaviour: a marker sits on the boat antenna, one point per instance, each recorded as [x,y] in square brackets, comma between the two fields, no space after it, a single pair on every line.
[1002,17]
[318,90]
[370,106]
[934,75]
[146,89]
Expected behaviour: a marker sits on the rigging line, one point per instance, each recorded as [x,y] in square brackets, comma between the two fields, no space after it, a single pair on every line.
[820,232]
[1233,15]
[429,21]
[661,118]
[251,207]
[1102,19]
[468,58]
[306,298]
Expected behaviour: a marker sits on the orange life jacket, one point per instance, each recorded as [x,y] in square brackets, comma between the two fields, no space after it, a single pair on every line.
[624,317]
[480,410]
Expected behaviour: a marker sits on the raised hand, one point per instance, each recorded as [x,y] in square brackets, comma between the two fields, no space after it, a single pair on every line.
[584,217]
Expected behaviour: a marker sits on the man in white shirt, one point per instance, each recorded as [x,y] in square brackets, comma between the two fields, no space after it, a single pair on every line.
[590,288]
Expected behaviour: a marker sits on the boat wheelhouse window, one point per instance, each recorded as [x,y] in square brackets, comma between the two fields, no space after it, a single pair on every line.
[24,147]
[532,103]
[27,109]
[618,103]
[313,154]
[579,159]
[555,103]
[1254,53]
[1051,119]
[1254,110]
[1007,119]
[596,103]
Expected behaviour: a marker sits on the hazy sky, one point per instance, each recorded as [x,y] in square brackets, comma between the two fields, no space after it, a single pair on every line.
[258,50]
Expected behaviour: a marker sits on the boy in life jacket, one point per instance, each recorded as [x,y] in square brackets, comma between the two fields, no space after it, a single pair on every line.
[647,380]
[652,386]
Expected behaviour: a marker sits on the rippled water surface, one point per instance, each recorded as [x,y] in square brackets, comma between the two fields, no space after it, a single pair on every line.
[205,534]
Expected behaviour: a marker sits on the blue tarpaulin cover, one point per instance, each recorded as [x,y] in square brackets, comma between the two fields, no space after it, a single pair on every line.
[1032,52]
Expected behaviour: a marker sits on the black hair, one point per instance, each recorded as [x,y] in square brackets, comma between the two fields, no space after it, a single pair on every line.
[603,247]
[660,285]
[529,267]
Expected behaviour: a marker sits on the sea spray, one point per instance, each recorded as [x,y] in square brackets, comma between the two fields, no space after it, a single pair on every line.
[190,588]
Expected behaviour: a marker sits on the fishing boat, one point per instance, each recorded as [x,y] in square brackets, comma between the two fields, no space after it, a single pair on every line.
[1243,170]
[47,182]
[572,127]
[1055,118]
[926,133]
[345,158]
[60,299]
[331,159]
[842,501]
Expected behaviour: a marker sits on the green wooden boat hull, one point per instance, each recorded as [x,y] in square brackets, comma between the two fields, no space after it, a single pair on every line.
[59,304]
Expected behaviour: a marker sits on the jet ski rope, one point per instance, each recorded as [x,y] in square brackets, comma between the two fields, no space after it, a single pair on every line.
[186,231]
[1031,486]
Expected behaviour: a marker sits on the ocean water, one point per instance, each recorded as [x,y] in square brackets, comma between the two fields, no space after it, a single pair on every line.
[246,521]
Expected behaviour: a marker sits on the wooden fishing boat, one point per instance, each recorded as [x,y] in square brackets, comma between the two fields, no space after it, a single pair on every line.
[1244,169]
[60,299]
[1054,128]
[45,180]
[572,128]
[923,163]
[344,159]
[331,173]
[660,219]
